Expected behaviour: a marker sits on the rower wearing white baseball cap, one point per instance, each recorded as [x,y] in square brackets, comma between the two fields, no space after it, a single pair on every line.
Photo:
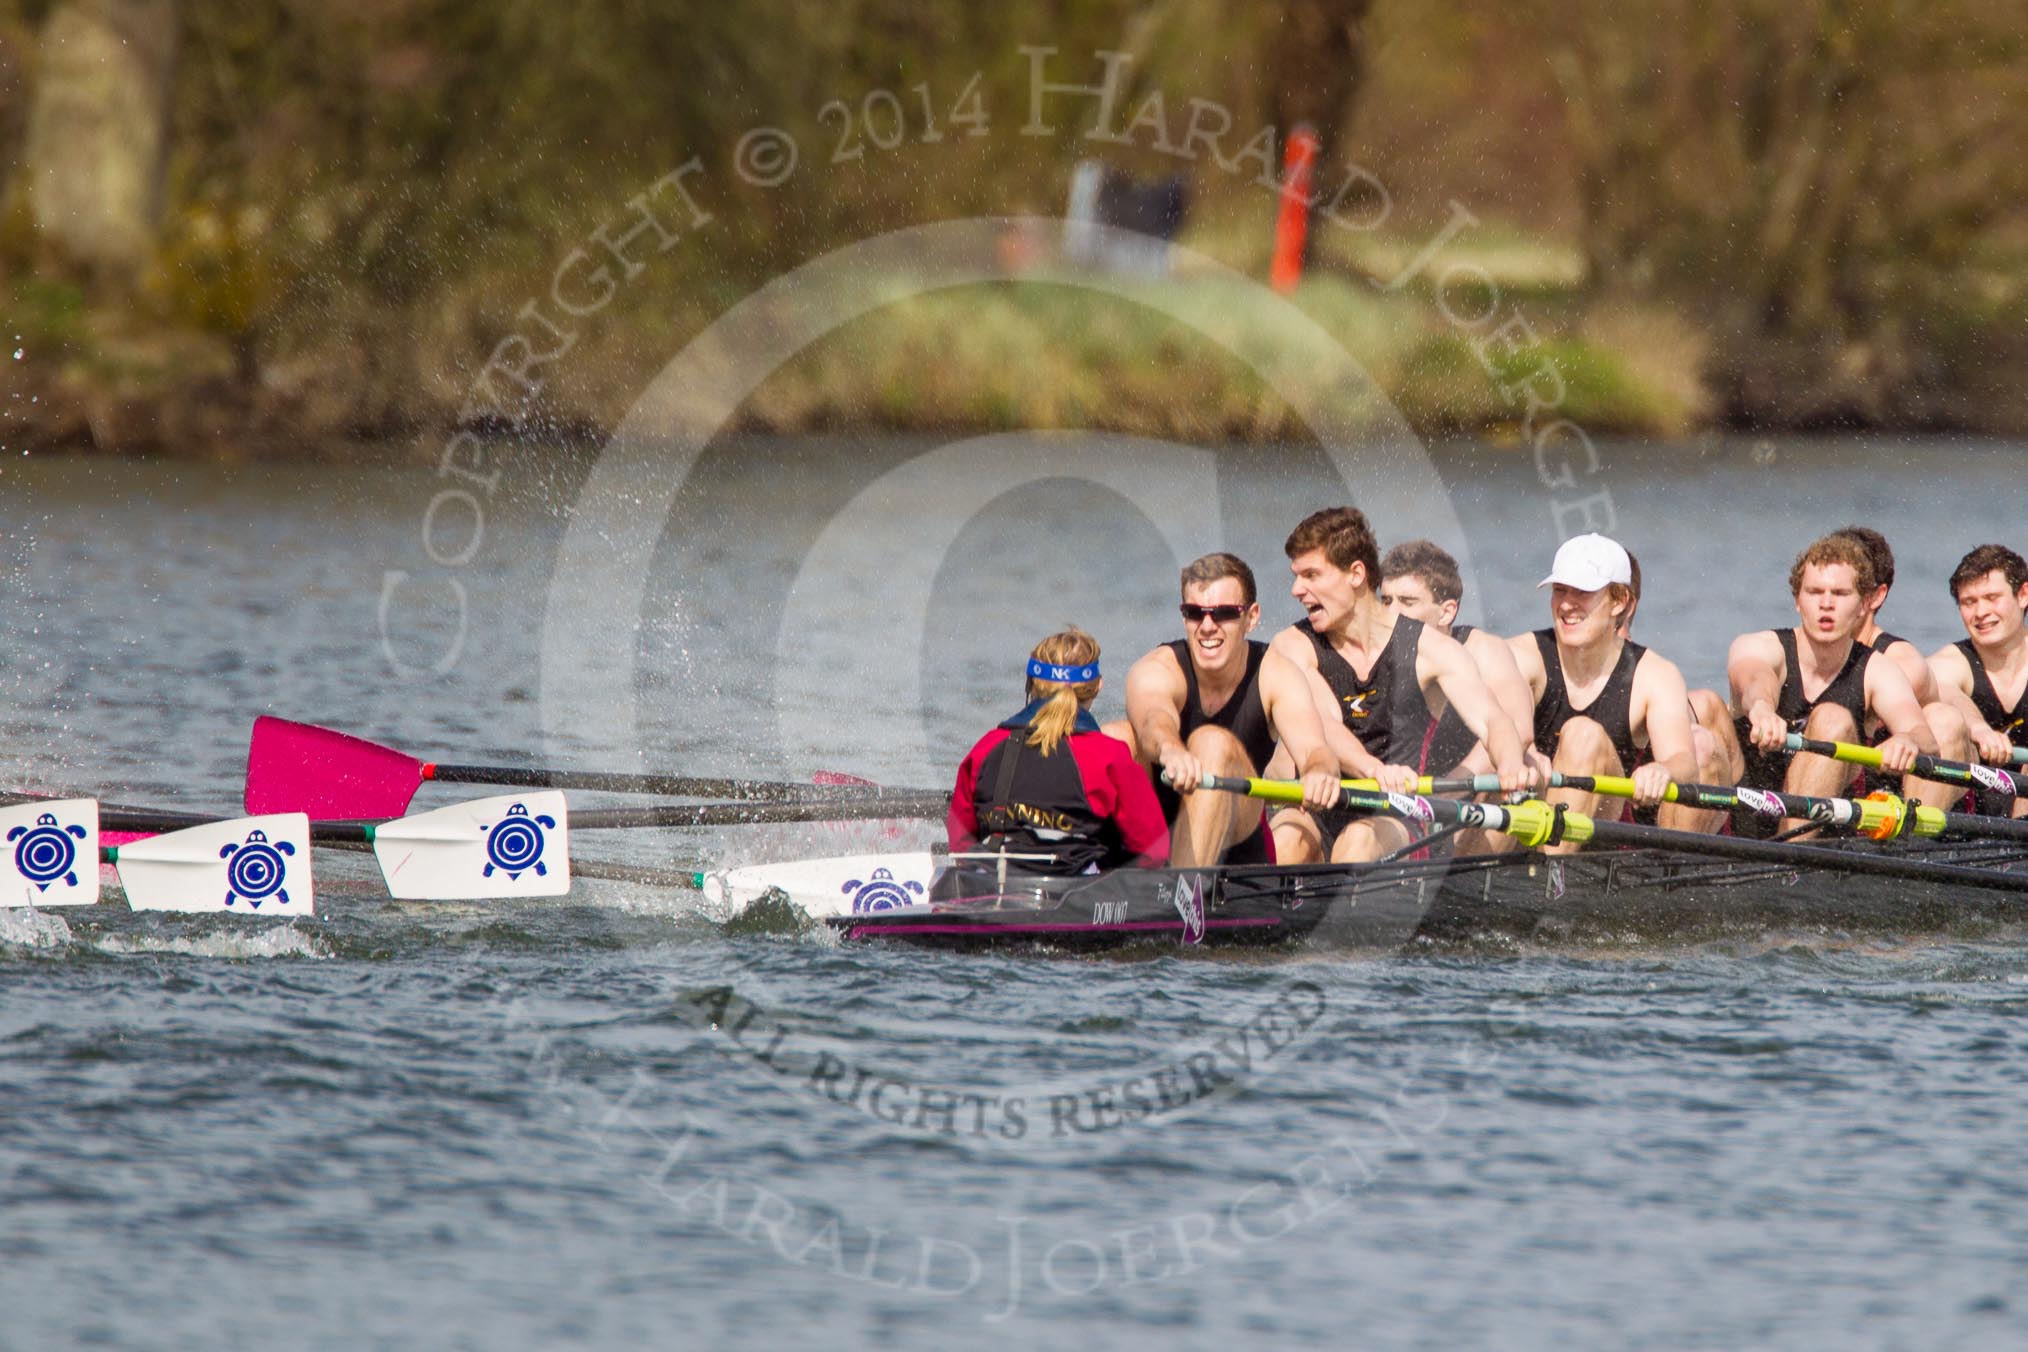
[1605,705]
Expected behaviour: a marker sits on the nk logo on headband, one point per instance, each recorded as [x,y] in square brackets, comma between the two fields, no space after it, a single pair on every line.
[1052,671]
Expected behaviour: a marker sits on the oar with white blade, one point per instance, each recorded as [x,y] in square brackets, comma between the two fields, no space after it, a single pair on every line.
[515,845]
[844,885]
[49,853]
[248,866]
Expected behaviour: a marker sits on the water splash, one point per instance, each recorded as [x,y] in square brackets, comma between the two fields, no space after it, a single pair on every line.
[283,941]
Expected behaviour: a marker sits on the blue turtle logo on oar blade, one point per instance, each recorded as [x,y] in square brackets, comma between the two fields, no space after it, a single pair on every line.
[257,870]
[881,892]
[514,843]
[47,851]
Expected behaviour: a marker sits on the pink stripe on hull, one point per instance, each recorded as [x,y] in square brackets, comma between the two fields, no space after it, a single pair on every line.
[854,932]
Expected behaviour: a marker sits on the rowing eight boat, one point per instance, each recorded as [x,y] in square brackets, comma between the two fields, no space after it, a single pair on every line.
[1606,894]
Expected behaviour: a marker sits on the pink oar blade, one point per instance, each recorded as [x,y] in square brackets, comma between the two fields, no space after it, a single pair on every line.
[118,838]
[299,767]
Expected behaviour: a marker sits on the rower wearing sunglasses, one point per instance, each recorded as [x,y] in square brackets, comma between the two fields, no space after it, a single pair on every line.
[1381,677]
[1217,702]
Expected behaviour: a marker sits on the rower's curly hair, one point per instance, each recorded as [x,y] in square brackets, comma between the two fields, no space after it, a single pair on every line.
[1989,559]
[1344,536]
[1071,647]
[1876,549]
[1837,547]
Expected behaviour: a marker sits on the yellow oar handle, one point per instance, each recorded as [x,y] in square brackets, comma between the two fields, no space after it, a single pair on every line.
[1843,751]
[1615,786]
[1533,823]
[1288,790]
[1291,791]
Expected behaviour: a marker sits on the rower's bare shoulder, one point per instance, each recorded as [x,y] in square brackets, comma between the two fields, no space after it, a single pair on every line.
[1277,670]
[1654,669]
[1527,655]
[1158,670]
[1762,645]
[1485,641]
[1292,645]
[1949,667]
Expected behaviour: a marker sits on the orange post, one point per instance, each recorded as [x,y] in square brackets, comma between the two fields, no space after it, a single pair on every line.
[1292,222]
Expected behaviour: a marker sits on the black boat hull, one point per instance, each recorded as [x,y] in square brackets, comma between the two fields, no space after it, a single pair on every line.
[1600,894]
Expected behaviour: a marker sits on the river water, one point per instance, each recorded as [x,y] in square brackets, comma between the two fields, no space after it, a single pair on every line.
[608,1121]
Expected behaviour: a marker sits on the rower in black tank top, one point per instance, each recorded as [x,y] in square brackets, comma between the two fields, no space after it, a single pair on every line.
[1882,641]
[2009,723]
[1242,716]
[1612,708]
[1847,690]
[1449,740]
[1384,709]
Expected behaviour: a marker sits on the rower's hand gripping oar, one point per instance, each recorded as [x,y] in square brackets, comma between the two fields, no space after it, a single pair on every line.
[1537,823]
[1971,774]
[1533,823]
[1882,816]
[300,767]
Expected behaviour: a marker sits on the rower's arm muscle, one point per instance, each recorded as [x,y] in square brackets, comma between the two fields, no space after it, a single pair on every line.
[1889,696]
[1754,667]
[1954,685]
[1453,671]
[1509,687]
[1292,713]
[1920,678]
[1155,692]
[1662,707]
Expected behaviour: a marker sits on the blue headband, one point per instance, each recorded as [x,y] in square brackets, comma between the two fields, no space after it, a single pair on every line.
[1039,670]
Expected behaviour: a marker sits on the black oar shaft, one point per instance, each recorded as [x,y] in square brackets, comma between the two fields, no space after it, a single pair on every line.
[675,786]
[1925,767]
[746,814]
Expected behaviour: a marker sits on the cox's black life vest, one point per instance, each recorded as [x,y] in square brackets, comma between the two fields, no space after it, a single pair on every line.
[1029,803]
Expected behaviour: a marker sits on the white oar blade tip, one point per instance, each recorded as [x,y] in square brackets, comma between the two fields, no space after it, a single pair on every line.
[485,849]
[844,885]
[247,866]
[49,853]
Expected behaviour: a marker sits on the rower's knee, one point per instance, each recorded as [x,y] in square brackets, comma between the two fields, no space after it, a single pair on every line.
[1947,725]
[1122,730]
[1584,747]
[1368,839]
[1708,709]
[1714,762]
[1219,751]
[1831,723]
[1297,838]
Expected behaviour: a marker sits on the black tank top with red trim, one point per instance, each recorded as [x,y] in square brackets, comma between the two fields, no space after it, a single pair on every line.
[1384,709]
[1612,708]
[2009,723]
[1244,716]
[1847,689]
[1449,740]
